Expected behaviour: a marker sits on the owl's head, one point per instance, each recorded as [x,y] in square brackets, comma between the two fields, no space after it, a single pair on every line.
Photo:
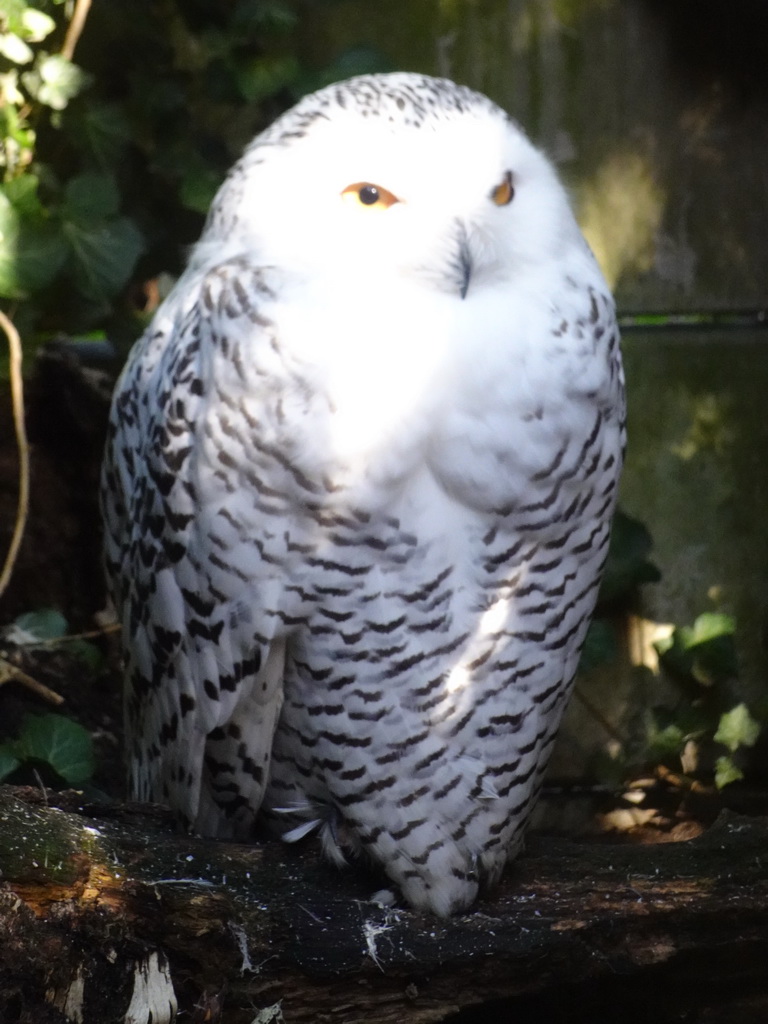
[396,174]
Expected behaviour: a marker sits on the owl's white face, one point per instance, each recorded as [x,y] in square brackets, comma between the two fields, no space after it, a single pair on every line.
[422,235]
[464,200]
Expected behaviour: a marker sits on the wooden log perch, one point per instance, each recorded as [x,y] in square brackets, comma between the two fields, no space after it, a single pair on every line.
[108,915]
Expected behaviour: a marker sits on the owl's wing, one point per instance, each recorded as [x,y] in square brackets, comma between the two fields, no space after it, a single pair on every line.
[196,592]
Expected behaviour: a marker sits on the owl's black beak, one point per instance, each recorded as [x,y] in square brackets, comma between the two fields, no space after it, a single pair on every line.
[462,263]
[466,270]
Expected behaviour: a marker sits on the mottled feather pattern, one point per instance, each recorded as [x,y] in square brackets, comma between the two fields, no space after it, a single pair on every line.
[355,521]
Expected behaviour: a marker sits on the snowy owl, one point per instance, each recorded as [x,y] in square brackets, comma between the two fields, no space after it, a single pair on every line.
[358,489]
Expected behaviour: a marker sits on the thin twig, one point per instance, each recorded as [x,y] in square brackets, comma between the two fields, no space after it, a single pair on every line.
[75,28]
[41,784]
[17,399]
[56,641]
[10,673]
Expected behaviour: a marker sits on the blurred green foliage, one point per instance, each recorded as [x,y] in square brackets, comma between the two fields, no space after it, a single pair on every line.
[109,161]
[701,662]
[47,628]
[627,568]
[57,746]
[61,227]
[704,729]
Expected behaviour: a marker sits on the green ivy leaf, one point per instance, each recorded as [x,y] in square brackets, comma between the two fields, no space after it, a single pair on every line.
[704,653]
[715,662]
[711,641]
[14,49]
[54,80]
[737,728]
[100,130]
[36,25]
[12,15]
[710,626]
[9,91]
[8,761]
[45,624]
[31,251]
[90,197]
[63,744]
[104,253]
[667,741]
[726,772]
[22,194]
[17,139]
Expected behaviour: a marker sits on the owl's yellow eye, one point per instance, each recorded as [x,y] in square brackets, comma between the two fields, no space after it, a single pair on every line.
[363,193]
[504,192]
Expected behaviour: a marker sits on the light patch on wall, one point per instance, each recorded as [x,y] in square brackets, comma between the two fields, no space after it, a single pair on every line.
[711,428]
[450,8]
[620,209]
[532,20]
[571,12]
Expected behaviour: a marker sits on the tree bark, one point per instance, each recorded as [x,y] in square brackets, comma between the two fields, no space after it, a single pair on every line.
[108,915]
